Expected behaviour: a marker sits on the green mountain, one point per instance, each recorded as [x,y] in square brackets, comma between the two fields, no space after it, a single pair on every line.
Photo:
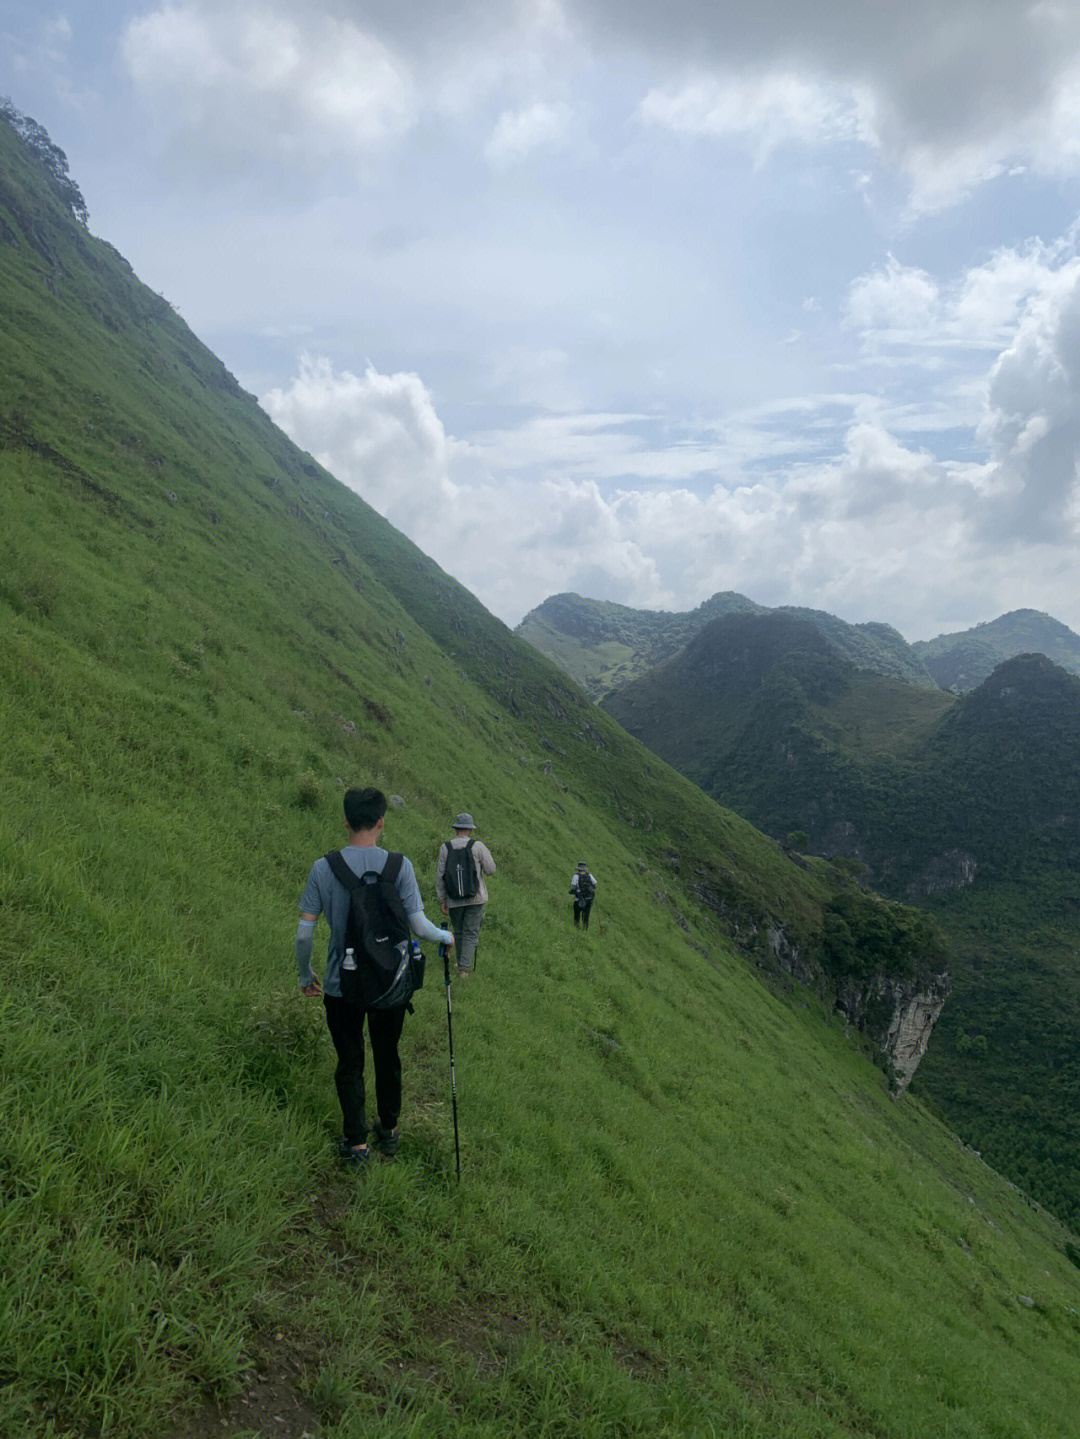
[743,680]
[970,807]
[963,660]
[603,646]
[689,1203]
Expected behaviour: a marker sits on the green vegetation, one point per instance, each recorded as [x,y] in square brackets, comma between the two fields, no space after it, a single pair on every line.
[962,661]
[1005,1052]
[863,935]
[689,1205]
[604,646]
[878,716]
[971,806]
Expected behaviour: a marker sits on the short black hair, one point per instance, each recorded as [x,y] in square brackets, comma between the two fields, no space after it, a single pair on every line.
[364,808]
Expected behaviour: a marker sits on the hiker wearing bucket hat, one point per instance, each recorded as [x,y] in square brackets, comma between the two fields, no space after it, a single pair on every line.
[460,888]
[582,892]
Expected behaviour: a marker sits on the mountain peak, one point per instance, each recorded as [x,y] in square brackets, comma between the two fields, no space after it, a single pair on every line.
[961,661]
[604,645]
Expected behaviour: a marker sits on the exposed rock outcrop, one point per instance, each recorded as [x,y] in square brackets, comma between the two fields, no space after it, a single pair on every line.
[898,1015]
[897,1012]
[953,870]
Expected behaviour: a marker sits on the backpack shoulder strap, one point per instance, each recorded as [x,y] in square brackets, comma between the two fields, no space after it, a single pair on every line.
[468,846]
[341,871]
[388,890]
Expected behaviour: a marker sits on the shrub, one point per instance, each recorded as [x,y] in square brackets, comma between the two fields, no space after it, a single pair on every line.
[308,790]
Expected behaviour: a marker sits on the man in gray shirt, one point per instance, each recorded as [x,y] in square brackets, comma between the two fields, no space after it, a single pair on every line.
[470,859]
[365,814]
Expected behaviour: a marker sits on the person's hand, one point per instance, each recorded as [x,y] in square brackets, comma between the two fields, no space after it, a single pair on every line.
[450,946]
[312,990]
[444,907]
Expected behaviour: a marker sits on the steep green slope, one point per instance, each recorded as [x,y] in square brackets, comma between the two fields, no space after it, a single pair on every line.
[604,646]
[970,807]
[689,1205]
[963,660]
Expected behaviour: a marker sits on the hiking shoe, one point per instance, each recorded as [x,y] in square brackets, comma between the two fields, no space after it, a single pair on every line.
[356,1156]
[386,1139]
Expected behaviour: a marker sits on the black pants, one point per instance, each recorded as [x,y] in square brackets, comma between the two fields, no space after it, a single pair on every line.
[581,912]
[346,1024]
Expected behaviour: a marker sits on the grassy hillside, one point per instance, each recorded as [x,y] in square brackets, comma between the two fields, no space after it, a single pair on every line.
[963,660]
[604,646]
[689,1204]
[970,806]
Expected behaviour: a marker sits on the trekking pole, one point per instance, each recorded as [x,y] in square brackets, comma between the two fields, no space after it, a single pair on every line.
[445,952]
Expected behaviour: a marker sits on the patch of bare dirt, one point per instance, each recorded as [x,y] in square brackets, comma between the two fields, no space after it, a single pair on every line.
[273,1402]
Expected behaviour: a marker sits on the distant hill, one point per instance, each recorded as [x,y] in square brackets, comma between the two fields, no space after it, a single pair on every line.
[963,660]
[603,645]
[764,710]
[970,806]
[746,679]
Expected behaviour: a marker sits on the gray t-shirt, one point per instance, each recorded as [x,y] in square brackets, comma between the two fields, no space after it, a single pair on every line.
[324,895]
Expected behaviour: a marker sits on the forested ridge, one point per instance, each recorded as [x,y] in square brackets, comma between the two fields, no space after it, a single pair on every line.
[968,806]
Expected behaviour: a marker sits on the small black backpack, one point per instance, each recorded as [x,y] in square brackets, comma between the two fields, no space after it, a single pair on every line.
[586,888]
[389,965]
[459,876]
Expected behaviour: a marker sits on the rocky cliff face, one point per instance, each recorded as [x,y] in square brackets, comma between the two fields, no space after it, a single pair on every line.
[899,1016]
[896,1013]
[955,869]
[912,1025]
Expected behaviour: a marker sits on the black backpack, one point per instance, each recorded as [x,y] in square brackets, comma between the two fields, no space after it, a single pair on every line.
[460,876]
[389,965]
[586,888]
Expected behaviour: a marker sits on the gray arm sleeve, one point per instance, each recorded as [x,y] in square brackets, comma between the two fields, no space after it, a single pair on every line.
[305,934]
[423,928]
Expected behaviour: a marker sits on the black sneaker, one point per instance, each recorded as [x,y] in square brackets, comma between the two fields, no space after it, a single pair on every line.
[386,1139]
[356,1156]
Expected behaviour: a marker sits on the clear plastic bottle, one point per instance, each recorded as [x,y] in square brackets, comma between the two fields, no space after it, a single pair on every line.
[349,962]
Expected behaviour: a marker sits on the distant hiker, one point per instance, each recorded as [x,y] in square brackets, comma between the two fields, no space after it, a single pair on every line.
[460,888]
[353,988]
[583,892]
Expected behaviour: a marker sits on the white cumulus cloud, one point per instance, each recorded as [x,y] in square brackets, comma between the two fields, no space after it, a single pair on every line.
[379,434]
[519,132]
[766,110]
[896,301]
[949,95]
[876,529]
[296,85]
[1033,423]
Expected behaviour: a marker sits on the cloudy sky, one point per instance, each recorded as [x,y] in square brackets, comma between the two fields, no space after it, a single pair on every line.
[644,301]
